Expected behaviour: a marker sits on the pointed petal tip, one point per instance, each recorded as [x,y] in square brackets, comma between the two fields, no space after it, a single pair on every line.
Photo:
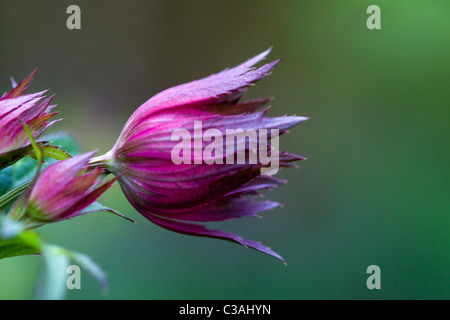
[20,88]
[268,50]
[88,154]
[263,54]
[201,230]
[13,82]
[296,120]
[272,205]
[81,159]
[300,119]
[276,61]
[259,247]
[33,73]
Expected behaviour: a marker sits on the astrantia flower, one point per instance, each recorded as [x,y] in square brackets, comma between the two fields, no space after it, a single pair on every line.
[177,167]
[61,191]
[17,109]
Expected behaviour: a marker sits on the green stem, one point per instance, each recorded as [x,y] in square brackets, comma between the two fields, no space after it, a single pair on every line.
[11,196]
[103,161]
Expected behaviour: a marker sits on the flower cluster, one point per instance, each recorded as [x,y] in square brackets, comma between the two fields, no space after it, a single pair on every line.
[16,110]
[192,154]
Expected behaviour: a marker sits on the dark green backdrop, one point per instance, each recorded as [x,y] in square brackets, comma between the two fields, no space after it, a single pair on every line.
[375,187]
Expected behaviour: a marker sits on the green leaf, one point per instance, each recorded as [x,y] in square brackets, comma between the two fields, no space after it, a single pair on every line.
[55,152]
[6,180]
[27,243]
[14,241]
[25,168]
[64,141]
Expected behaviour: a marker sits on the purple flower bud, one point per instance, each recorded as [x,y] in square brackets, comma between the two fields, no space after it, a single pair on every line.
[61,191]
[196,153]
[17,109]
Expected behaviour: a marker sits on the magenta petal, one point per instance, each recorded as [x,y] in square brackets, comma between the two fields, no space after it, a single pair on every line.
[232,108]
[224,210]
[260,182]
[206,90]
[21,107]
[54,177]
[170,195]
[87,200]
[200,230]
[17,108]
[60,197]
[20,88]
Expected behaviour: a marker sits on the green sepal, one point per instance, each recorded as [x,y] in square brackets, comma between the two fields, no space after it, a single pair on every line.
[53,152]
[98,207]
[65,141]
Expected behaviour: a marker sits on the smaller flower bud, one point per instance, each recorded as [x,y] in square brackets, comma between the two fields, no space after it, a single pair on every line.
[62,191]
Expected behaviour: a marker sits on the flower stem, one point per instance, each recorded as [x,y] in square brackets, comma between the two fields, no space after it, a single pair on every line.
[101,161]
[11,196]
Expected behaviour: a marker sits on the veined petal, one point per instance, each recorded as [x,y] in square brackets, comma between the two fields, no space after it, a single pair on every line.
[194,229]
[217,87]
[224,210]
[233,108]
[56,176]
[59,197]
[14,107]
[202,231]
[20,88]
[87,200]
[17,108]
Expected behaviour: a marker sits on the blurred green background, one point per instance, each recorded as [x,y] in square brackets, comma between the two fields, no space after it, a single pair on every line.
[375,187]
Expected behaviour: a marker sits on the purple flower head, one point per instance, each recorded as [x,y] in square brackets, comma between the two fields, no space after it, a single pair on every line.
[196,153]
[17,109]
[61,191]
